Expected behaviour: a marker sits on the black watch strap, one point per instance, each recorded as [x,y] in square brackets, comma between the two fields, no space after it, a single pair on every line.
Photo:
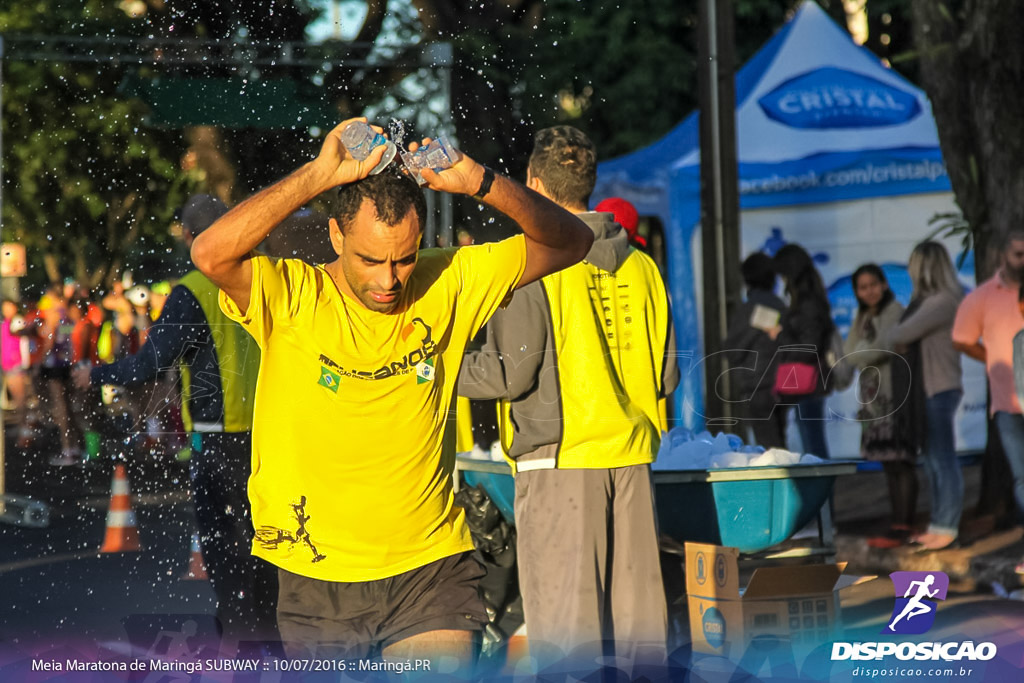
[485,184]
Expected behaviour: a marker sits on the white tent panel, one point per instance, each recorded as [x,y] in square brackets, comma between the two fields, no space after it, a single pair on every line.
[843,236]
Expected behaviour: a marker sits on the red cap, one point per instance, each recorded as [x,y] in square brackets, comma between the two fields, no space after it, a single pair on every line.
[625,215]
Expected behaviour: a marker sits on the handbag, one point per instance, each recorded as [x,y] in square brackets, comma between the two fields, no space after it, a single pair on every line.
[796,379]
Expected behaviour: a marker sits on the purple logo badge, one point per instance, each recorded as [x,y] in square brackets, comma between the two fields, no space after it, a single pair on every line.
[916,596]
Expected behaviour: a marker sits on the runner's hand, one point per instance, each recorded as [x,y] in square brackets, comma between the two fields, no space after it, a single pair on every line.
[336,162]
[462,178]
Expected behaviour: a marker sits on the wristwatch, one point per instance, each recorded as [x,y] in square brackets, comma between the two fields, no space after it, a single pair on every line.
[485,184]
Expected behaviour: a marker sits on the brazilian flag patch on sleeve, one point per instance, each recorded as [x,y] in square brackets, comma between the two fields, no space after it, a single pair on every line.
[329,379]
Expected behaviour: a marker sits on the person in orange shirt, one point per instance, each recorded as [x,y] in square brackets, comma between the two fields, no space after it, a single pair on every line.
[986,323]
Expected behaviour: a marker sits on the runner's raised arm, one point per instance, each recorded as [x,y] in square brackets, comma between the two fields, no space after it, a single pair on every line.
[222,251]
[555,238]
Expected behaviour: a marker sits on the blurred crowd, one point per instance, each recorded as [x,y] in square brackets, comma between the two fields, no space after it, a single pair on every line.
[69,326]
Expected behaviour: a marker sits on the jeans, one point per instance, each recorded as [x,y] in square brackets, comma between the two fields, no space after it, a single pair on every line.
[810,420]
[1011,432]
[946,481]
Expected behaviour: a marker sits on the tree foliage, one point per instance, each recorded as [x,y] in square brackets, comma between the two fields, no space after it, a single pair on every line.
[83,181]
[622,72]
[89,186]
[89,183]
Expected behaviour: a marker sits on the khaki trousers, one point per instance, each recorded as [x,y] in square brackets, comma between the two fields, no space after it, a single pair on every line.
[588,563]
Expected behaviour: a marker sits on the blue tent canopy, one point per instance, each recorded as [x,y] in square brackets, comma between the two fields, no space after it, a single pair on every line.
[819,119]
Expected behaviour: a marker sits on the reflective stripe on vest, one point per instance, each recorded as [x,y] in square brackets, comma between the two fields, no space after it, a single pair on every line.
[238,359]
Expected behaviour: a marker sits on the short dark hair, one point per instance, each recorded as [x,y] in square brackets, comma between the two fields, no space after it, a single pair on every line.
[758,272]
[392,194]
[1011,235]
[565,160]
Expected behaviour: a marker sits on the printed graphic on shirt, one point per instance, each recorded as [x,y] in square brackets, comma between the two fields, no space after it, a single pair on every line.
[425,371]
[419,361]
[611,299]
[271,537]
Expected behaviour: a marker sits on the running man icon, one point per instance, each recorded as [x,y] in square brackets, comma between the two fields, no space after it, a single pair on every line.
[915,607]
[919,592]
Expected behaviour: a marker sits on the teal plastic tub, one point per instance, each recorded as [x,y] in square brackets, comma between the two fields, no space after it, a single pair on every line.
[750,508]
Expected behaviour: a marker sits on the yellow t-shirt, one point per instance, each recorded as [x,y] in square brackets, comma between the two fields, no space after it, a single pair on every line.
[353,430]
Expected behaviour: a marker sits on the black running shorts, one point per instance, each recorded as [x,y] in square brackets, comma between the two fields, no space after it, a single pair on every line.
[360,619]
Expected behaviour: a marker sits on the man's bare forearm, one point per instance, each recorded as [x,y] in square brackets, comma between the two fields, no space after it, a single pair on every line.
[233,237]
[540,218]
[555,238]
[221,252]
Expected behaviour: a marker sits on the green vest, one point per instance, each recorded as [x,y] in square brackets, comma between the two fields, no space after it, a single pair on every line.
[610,358]
[238,358]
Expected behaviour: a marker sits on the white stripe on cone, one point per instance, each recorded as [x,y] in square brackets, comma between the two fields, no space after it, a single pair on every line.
[121,518]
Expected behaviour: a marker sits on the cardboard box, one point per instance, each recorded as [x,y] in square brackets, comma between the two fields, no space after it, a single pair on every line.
[794,604]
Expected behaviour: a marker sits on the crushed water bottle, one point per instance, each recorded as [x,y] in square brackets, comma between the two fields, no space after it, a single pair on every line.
[438,155]
[360,139]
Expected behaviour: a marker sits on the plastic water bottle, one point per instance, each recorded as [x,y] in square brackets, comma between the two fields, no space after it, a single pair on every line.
[359,139]
[438,155]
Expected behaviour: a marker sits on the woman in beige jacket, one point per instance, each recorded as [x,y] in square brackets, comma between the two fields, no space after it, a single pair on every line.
[881,441]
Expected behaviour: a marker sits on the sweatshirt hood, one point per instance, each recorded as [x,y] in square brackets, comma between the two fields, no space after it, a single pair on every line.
[611,243]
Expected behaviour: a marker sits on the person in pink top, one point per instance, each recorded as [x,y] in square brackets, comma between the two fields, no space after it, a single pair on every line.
[986,323]
[15,359]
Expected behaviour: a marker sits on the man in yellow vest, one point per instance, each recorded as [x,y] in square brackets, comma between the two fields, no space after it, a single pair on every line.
[353,434]
[581,360]
[219,364]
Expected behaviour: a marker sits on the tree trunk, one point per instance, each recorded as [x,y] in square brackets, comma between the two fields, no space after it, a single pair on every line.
[972,62]
[52,265]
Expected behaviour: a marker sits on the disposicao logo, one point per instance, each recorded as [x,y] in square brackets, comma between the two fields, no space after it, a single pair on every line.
[913,613]
[836,98]
[916,593]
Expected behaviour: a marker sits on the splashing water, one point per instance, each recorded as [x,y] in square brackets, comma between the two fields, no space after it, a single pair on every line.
[397,130]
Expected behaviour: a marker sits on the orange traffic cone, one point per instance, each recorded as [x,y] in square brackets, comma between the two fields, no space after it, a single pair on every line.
[122,532]
[196,567]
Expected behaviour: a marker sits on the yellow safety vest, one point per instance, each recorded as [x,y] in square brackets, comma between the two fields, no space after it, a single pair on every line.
[610,358]
[238,358]
[105,342]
